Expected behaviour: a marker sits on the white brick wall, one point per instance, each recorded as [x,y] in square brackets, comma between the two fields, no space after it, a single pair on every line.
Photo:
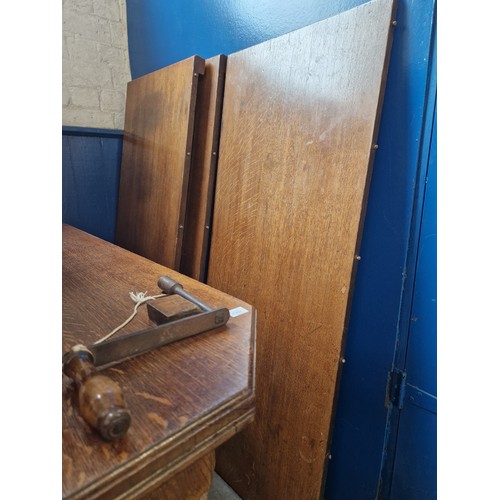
[96,65]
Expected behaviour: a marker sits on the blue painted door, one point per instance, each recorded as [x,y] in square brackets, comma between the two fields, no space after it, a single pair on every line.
[414,473]
[363,434]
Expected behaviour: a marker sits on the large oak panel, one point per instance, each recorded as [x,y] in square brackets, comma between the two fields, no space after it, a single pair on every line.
[156,158]
[299,126]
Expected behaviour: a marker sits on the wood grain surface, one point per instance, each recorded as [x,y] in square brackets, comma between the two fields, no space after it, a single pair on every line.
[156,158]
[203,169]
[185,399]
[192,483]
[299,125]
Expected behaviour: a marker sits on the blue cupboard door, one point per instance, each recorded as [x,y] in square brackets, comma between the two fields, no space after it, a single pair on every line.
[415,464]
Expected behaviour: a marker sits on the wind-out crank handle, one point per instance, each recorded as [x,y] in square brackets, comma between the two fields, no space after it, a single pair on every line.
[100,399]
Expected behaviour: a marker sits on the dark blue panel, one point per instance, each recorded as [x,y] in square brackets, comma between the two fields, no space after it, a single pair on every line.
[90,177]
[411,468]
[161,33]
[423,357]
[421,360]
[420,398]
[416,461]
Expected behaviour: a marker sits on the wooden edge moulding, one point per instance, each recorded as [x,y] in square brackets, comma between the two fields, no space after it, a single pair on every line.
[203,170]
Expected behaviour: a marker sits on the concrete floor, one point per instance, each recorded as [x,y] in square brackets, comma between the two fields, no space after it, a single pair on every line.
[220,490]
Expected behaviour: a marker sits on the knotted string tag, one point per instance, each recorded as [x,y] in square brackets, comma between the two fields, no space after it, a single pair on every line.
[139,298]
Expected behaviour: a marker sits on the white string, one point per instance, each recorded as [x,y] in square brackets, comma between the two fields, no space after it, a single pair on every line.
[139,298]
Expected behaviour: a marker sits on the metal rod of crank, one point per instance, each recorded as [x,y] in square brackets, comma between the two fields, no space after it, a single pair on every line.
[171,287]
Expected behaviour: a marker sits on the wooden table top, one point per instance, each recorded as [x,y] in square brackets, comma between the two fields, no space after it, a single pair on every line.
[185,399]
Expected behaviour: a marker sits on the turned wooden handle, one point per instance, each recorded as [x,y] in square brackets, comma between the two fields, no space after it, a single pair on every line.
[100,399]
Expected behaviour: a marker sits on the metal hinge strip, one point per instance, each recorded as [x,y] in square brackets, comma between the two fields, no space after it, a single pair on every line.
[396,388]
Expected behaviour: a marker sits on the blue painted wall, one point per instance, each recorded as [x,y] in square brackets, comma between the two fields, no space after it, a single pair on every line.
[161,33]
[91,161]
